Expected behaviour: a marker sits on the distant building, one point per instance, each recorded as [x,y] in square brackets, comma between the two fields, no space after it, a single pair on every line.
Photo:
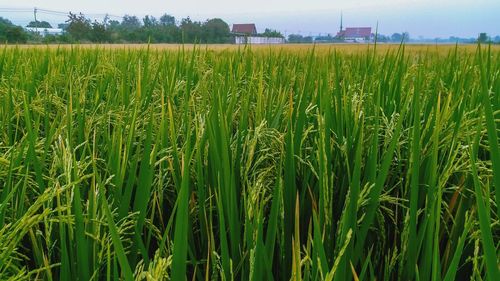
[244,29]
[247,34]
[356,34]
[45,31]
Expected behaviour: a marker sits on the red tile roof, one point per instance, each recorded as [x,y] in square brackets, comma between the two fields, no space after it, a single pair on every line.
[356,32]
[246,28]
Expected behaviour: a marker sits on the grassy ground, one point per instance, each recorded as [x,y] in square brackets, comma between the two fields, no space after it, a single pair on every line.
[340,162]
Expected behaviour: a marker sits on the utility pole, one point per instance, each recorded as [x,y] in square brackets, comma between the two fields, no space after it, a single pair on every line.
[36,22]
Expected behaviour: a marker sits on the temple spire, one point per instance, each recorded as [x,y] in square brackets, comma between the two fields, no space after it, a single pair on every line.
[341,21]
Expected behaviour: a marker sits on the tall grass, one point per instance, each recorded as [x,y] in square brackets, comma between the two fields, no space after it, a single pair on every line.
[249,164]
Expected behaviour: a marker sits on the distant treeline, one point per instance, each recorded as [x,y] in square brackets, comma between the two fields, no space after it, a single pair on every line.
[395,38]
[166,29]
[133,30]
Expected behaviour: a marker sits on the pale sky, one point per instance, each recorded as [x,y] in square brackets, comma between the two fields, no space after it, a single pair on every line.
[427,18]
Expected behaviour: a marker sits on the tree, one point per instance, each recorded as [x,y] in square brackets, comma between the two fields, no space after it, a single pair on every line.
[406,36]
[297,38]
[106,20]
[63,26]
[114,31]
[131,22]
[149,21]
[39,24]
[483,37]
[167,20]
[99,33]
[113,24]
[79,27]
[216,31]
[383,38]
[169,34]
[149,30]
[11,33]
[16,34]
[396,37]
[191,30]
[272,33]
[130,29]
[327,39]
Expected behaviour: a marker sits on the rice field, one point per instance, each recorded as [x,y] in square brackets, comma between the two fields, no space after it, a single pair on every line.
[261,163]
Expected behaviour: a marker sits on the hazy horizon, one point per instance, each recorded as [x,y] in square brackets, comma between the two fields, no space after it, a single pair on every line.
[420,18]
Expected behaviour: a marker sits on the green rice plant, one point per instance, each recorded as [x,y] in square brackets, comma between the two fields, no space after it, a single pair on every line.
[249,163]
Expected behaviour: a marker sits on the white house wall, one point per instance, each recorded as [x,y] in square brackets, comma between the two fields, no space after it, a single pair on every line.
[45,31]
[258,40]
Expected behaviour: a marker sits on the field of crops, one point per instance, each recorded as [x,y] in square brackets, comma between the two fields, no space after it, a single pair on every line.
[293,163]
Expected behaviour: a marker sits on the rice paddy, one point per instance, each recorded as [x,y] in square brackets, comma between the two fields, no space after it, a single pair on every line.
[293,163]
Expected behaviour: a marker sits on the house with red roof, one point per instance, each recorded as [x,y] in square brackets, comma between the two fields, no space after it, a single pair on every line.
[246,33]
[244,29]
[356,34]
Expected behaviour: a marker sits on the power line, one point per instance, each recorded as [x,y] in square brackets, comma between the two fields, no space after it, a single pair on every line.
[13,11]
[36,26]
[16,9]
[102,15]
[54,12]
